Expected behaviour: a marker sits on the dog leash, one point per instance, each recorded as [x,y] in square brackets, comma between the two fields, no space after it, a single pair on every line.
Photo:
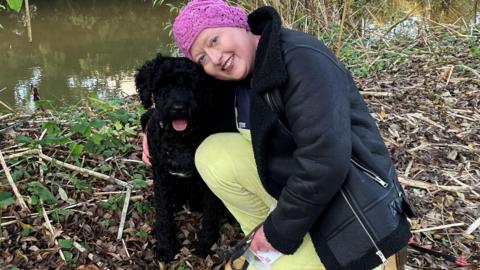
[447,257]
[241,247]
[238,250]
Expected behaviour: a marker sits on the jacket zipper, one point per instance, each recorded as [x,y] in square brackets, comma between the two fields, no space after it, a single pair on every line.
[371,174]
[379,252]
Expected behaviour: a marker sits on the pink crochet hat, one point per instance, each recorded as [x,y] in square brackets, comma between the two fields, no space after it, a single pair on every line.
[200,14]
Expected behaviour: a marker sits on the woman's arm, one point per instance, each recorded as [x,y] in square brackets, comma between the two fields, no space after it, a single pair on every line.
[318,113]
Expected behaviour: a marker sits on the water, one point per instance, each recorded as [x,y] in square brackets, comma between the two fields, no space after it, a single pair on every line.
[88,46]
[78,47]
[412,15]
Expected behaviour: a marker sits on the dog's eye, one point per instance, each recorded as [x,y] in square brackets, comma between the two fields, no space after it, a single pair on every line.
[214,40]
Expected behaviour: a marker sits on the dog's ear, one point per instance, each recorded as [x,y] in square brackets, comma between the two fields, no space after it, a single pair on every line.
[145,80]
[145,117]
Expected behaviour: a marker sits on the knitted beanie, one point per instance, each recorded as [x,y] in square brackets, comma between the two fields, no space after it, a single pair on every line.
[200,14]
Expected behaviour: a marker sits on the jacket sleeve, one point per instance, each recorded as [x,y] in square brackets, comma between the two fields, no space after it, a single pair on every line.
[318,113]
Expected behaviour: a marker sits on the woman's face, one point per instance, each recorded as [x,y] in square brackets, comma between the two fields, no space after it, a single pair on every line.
[226,53]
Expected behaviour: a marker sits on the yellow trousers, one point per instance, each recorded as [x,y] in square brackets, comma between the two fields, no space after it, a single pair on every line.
[226,163]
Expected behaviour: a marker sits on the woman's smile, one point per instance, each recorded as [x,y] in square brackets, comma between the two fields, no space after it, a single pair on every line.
[219,52]
[229,64]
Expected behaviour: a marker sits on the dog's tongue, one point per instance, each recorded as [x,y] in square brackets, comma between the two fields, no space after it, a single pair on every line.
[179,124]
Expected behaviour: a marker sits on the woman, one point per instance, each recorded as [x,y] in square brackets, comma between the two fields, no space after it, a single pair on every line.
[301,121]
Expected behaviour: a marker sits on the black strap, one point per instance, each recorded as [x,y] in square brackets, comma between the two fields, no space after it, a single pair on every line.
[240,247]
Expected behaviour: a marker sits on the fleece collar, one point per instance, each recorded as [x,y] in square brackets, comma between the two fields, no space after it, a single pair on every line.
[269,71]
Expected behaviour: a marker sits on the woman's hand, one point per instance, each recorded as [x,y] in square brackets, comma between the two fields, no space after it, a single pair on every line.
[260,242]
[145,154]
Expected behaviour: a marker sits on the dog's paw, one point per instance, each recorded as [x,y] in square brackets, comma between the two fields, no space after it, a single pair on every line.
[202,249]
[165,255]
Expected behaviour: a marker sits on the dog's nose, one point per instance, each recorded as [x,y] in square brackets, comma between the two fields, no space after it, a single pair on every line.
[178,108]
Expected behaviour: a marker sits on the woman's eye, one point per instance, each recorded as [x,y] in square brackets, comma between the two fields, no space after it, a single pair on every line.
[215,40]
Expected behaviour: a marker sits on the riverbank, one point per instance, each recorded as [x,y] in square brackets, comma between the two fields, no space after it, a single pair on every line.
[79,171]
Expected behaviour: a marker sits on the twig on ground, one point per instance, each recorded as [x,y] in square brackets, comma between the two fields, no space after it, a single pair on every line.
[439,227]
[473,227]
[470,69]
[86,171]
[48,212]
[426,119]
[427,186]
[21,154]
[6,106]
[124,213]
[5,116]
[92,257]
[12,183]
[51,229]
[449,75]
[125,248]
[376,94]
[72,167]
[40,159]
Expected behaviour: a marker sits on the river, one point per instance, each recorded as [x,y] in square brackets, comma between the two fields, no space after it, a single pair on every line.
[80,47]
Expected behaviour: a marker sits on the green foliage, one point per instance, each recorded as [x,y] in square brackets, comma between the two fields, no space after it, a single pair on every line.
[68,256]
[103,137]
[26,230]
[53,139]
[15,4]
[39,191]
[106,168]
[142,233]
[475,48]
[45,103]
[114,202]
[76,149]
[80,184]
[17,174]
[183,266]
[24,139]
[106,222]
[6,199]
[65,243]
[82,127]
[143,207]
[59,214]
[139,181]
[52,127]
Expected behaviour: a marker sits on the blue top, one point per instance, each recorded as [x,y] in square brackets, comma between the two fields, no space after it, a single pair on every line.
[242,104]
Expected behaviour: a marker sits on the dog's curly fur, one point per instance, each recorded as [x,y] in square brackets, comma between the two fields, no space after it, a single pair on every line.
[181,90]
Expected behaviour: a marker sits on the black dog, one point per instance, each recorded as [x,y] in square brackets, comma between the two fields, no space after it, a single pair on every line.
[186,105]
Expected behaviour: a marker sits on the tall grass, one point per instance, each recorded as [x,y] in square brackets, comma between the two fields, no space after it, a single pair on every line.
[311,16]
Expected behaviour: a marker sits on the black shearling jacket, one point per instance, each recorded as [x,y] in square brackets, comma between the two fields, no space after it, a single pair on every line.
[306,162]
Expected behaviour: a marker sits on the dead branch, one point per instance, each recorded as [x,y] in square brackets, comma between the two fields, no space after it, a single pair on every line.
[473,227]
[12,183]
[439,227]
[124,213]
[51,230]
[432,187]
